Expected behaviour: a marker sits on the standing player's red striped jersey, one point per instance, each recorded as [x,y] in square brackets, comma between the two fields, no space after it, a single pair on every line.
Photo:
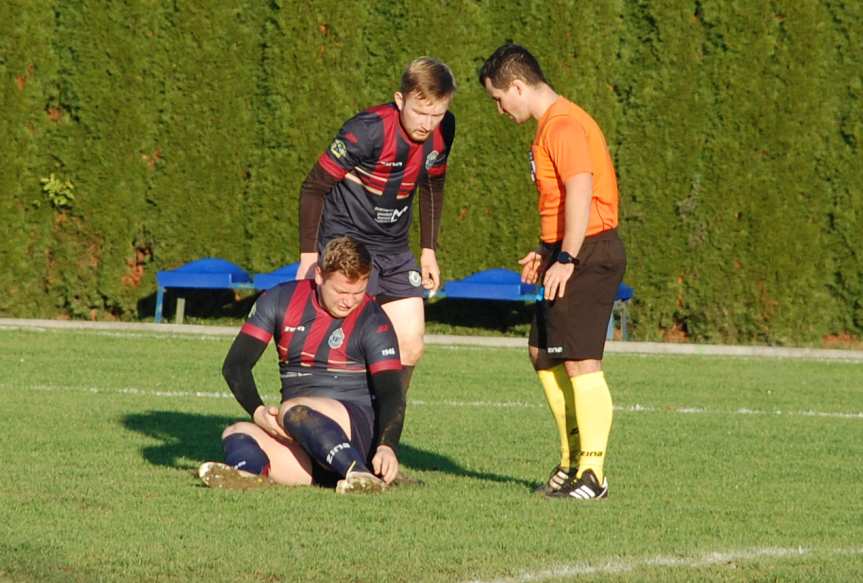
[379,168]
[320,355]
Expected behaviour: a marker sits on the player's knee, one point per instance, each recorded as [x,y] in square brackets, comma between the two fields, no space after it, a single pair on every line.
[412,350]
[242,452]
[293,414]
[240,427]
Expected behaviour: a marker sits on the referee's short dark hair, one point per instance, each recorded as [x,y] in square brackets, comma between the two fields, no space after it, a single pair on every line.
[347,256]
[508,63]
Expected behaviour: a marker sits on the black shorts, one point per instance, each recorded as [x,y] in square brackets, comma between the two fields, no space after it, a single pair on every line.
[362,427]
[574,327]
[396,276]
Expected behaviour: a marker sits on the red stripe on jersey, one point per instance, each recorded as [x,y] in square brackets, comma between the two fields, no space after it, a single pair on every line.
[331,167]
[412,171]
[339,355]
[314,339]
[293,316]
[255,332]
[382,365]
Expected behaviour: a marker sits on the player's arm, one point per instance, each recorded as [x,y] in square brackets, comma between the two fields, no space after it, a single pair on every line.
[354,143]
[242,357]
[315,187]
[431,194]
[431,209]
[389,421]
[579,191]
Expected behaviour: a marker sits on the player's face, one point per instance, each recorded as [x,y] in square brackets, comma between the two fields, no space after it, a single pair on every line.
[510,101]
[419,116]
[338,294]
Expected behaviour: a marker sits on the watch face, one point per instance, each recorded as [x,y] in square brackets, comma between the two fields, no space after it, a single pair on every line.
[564,257]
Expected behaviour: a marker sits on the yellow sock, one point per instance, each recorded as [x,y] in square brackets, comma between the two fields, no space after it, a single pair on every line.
[559,395]
[593,409]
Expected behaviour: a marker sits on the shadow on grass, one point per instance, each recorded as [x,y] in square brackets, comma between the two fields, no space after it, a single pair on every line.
[189,439]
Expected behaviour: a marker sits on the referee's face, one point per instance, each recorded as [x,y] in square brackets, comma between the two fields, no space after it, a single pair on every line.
[338,294]
[420,117]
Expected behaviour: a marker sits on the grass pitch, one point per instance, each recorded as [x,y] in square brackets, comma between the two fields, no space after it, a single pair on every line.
[727,469]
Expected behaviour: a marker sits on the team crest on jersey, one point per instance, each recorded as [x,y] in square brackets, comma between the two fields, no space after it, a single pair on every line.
[338,148]
[337,338]
[415,278]
[431,158]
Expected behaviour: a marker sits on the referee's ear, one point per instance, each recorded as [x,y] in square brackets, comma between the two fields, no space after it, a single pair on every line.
[319,275]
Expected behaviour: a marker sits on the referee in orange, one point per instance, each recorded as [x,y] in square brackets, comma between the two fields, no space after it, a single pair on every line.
[580,261]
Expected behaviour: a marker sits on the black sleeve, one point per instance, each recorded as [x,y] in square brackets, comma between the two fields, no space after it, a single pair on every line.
[315,187]
[389,407]
[237,370]
[431,209]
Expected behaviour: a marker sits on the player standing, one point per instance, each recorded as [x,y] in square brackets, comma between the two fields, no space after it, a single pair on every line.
[581,261]
[364,184]
[331,339]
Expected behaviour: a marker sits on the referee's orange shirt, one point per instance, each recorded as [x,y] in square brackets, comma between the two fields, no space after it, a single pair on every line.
[568,142]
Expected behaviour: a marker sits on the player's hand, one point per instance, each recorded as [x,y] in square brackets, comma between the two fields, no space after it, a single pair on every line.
[307,265]
[385,463]
[555,279]
[530,265]
[430,270]
[267,418]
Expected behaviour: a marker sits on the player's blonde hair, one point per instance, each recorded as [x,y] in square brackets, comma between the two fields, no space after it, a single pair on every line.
[429,78]
[347,256]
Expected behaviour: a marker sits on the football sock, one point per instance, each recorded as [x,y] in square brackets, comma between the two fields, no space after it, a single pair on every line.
[559,395]
[593,409]
[242,452]
[323,439]
[407,373]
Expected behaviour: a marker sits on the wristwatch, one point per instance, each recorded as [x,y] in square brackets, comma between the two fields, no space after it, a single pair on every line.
[566,258]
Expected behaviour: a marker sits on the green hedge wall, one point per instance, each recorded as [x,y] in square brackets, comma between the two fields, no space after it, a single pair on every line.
[186,127]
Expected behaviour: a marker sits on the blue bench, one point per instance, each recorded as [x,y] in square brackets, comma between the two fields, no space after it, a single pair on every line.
[207,273]
[505,285]
[273,278]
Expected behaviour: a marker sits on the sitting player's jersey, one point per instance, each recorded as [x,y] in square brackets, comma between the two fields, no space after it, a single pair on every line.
[320,355]
[379,167]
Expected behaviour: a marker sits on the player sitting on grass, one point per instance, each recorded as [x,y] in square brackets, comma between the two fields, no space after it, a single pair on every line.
[333,340]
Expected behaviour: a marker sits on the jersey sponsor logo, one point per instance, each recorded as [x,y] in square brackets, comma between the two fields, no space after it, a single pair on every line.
[384,215]
[431,159]
[295,375]
[388,352]
[396,164]
[293,329]
[554,349]
[338,148]
[337,338]
[415,278]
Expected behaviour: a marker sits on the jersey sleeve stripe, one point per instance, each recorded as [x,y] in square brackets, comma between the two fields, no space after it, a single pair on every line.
[255,332]
[382,365]
[331,167]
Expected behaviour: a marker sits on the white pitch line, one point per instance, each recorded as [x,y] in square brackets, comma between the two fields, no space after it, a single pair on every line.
[614,567]
[636,408]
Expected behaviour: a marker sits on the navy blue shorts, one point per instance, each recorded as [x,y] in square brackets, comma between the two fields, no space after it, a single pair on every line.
[362,427]
[396,276]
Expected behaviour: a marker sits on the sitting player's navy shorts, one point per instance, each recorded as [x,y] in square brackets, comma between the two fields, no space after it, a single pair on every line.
[396,277]
[362,427]
[574,327]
